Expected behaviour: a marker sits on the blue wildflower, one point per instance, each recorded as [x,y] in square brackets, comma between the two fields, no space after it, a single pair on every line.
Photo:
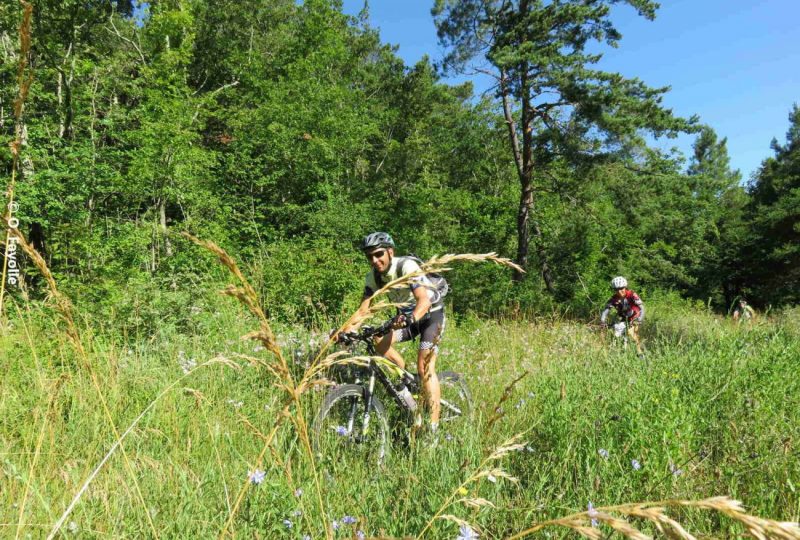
[287,523]
[635,464]
[257,476]
[592,514]
[341,430]
[603,453]
[465,532]
[349,520]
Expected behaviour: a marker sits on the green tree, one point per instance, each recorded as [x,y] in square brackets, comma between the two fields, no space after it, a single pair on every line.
[556,106]
[719,201]
[774,254]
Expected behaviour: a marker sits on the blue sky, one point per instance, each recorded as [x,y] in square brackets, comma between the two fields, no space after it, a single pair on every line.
[735,63]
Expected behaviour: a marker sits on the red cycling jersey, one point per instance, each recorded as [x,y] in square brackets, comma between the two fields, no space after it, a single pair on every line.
[628,307]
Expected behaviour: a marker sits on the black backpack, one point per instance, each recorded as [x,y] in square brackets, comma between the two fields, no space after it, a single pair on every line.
[440,285]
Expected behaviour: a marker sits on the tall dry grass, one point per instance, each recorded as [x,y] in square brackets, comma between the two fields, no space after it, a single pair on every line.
[293,406]
[618,518]
[65,310]
[24,81]
[633,520]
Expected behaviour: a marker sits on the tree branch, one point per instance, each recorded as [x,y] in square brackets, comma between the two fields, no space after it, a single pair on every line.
[127,40]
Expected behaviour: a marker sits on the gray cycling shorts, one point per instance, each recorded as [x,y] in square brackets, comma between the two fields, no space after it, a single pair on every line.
[430,328]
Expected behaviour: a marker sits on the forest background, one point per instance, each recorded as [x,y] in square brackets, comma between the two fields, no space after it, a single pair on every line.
[287,131]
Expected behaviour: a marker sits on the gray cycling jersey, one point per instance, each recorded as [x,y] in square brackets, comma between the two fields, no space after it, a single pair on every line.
[401,266]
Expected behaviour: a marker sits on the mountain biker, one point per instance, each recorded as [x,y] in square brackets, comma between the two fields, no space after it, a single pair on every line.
[419,315]
[744,311]
[629,308]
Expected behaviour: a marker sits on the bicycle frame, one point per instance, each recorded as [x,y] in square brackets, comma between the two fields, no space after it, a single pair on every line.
[377,374]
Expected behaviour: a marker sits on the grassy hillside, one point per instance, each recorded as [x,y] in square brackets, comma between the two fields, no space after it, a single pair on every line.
[712,410]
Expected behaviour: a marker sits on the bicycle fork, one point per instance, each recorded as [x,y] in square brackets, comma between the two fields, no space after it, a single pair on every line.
[368,403]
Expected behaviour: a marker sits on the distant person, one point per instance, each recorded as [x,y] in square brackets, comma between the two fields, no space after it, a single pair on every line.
[743,312]
[421,314]
[630,310]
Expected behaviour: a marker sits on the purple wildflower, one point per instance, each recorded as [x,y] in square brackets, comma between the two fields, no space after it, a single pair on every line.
[603,453]
[635,464]
[349,520]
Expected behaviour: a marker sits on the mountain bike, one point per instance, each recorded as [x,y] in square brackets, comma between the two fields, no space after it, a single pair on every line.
[353,418]
[620,334]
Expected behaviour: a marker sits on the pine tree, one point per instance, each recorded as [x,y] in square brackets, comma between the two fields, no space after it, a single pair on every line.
[556,105]
[774,254]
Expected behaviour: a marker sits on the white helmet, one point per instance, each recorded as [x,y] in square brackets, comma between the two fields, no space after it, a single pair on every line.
[619,282]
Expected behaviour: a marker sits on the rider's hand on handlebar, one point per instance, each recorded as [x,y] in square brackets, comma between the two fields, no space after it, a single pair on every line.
[341,337]
[403,321]
[399,322]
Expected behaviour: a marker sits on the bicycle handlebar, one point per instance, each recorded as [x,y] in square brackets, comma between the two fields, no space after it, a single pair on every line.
[366,333]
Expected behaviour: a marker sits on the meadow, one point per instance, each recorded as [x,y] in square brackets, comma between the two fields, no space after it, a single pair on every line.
[712,410]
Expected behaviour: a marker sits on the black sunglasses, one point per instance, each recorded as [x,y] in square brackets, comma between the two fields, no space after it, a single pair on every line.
[376,254]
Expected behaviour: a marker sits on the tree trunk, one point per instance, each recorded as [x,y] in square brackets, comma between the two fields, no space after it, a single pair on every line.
[526,195]
[153,249]
[162,215]
[523,232]
[64,95]
[60,101]
[538,242]
[523,159]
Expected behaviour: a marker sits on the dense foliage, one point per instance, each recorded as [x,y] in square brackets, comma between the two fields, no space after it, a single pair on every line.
[285,131]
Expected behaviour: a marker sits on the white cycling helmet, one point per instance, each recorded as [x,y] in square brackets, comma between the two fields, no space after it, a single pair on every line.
[619,282]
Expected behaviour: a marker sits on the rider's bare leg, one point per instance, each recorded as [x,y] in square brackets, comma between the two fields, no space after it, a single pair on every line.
[633,332]
[385,349]
[426,365]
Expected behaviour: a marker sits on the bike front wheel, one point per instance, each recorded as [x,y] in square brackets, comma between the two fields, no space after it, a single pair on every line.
[344,428]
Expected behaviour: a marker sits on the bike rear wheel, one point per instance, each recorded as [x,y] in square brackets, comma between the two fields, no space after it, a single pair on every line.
[342,429]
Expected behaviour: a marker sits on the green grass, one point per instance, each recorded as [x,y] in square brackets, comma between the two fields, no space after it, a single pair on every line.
[715,400]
